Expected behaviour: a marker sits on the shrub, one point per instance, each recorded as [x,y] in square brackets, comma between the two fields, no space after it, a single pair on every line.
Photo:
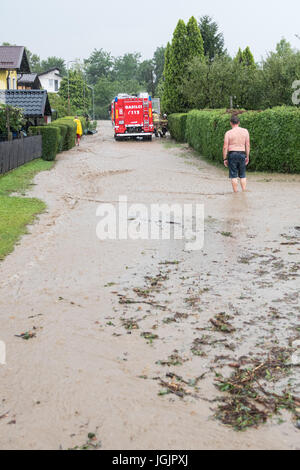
[12,115]
[69,141]
[205,131]
[59,104]
[177,126]
[57,136]
[51,139]
[275,137]
[63,129]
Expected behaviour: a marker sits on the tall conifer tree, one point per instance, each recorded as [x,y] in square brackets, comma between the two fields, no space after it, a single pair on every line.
[194,39]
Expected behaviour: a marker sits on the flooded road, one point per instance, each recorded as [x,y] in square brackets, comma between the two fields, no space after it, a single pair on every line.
[129,343]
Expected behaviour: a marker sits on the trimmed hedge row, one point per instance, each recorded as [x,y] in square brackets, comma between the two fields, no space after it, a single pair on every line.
[69,139]
[50,140]
[275,136]
[58,136]
[177,126]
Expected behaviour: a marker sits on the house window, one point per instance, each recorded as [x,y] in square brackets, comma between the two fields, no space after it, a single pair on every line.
[51,83]
[56,85]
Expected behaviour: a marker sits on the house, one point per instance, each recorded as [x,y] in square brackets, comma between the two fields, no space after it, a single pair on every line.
[13,61]
[51,80]
[28,81]
[34,103]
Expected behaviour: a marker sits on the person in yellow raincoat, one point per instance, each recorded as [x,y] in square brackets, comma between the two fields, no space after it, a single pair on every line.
[78,130]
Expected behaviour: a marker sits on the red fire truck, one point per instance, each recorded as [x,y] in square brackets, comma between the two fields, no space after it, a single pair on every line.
[132,117]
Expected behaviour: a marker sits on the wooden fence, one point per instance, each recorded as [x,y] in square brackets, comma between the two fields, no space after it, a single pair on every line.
[17,152]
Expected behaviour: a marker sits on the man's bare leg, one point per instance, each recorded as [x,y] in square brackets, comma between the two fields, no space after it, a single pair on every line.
[235,185]
[244,183]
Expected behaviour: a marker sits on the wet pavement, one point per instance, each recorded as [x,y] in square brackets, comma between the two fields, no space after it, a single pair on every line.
[136,341]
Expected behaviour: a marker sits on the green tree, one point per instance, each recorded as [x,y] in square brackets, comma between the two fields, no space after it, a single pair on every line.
[126,67]
[166,98]
[98,65]
[245,58]
[280,70]
[159,63]
[11,119]
[54,62]
[80,94]
[284,48]
[213,39]
[248,59]
[175,67]
[186,45]
[106,90]
[146,75]
[60,105]
[159,90]
[34,61]
[194,40]
[209,84]
[239,58]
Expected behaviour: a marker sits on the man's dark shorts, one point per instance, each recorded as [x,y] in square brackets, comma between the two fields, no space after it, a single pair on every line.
[237,165]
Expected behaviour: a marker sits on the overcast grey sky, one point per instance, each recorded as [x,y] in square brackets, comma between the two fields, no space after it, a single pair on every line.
[73,28]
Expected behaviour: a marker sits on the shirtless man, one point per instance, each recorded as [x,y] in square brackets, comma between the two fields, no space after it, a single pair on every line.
[236,153]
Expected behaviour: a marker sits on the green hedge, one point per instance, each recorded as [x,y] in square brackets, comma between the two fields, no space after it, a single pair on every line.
[205,131]
[69,141]
[58,136]
[177,126]
[51,140]
[63,129]
[275,136]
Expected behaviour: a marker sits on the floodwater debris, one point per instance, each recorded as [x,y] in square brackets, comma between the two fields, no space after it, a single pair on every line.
[169,263]
[26,336]
[149,336]
[177,317]
[249,402]
[176,386]
[91,444]
[173,360]
[156,281]
[226,234]
[125,301]
[130,324]
[240,413]
[221,323]
[197,347]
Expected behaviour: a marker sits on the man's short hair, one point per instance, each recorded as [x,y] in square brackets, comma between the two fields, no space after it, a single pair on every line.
[235,119]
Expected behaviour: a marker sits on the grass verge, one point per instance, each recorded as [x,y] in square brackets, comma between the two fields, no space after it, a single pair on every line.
[17,212]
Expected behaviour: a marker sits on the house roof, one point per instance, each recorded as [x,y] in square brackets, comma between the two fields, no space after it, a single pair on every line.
[29,79]
[50,70]
[34,103]
[14,57]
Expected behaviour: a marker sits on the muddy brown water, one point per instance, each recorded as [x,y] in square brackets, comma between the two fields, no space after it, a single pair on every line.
[84,371]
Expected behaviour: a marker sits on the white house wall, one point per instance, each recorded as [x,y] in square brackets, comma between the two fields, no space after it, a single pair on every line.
[48,81]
